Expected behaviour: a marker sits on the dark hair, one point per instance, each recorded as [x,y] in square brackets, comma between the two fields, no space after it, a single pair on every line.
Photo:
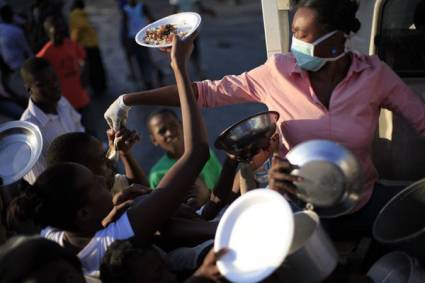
[56,197]
[78,4]
[19,217]
[53,21]
[117,261]
[161,111]
[6,13]
[22,256]
[70,147]
[335,14]
[33,66]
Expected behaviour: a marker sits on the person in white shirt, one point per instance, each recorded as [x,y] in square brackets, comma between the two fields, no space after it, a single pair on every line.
[47,109]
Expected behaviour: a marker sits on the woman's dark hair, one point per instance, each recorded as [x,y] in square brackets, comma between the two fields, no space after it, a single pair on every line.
[56,197]
[334,14]
[22,256]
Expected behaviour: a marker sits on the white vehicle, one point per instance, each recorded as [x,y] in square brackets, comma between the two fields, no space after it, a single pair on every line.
[395,31]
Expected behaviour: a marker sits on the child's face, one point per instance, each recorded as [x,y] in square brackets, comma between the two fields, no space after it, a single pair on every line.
[99,164]
[99,198]
[166,131]
[265,153]
[44,87]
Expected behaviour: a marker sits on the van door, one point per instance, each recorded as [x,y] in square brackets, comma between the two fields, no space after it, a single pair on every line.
[398,32]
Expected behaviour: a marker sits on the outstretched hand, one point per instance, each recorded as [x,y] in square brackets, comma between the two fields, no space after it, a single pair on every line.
[209,268]
[123,138]
[181,49]
[123,200]
[280,178]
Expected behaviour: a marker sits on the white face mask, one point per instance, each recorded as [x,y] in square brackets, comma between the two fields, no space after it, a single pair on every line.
[304,53]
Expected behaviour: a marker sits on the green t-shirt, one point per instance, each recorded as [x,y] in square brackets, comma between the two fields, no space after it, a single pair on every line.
[209,174]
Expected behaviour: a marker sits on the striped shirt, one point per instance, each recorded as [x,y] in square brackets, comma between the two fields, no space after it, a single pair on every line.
[51,126]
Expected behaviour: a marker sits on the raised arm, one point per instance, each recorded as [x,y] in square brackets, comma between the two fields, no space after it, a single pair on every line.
[149,214]
[222,191]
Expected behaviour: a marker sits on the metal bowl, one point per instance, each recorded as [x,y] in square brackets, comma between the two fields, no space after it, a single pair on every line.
[245,138]
[20,147]
[400,225]
[332,177]
[397,267]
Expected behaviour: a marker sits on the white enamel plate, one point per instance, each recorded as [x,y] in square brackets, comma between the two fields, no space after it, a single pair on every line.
[257,229]
[186,22]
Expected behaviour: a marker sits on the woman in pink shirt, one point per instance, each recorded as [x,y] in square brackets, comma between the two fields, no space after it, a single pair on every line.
[321,89]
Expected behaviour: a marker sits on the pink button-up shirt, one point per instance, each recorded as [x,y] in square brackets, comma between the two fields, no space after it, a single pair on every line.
[354,107]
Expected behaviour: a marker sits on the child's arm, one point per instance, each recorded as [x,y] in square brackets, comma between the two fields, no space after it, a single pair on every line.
[222,191]
[152,212]
[125,140]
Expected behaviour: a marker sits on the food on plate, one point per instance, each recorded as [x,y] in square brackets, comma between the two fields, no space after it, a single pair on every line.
[162,34]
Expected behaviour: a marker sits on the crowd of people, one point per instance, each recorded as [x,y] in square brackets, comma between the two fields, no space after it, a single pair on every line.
[75,218]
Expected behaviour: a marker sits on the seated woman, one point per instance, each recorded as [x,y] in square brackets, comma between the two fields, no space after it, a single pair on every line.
[71,198]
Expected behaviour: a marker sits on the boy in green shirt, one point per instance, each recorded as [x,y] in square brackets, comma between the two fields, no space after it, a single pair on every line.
[166,131]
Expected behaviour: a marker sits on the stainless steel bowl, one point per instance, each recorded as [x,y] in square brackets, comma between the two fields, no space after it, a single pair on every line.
[20,147]
[400,225]
[246,137]
[397,267]
[311,250]
[332,177]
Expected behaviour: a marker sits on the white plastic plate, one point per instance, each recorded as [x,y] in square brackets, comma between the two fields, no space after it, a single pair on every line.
[257,229]
[184,22]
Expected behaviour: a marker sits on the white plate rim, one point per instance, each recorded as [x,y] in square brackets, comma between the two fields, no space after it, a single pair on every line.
[141,32]
[34,154]
[234,208]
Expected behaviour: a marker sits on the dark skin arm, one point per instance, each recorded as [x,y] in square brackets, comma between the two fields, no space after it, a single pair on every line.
[125,141]
[177,182]
[167,96]
[222,191]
